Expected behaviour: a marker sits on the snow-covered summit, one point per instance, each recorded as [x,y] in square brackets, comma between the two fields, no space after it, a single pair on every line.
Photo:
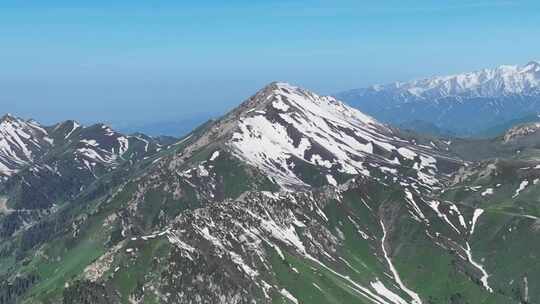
[286,97]
[284,130]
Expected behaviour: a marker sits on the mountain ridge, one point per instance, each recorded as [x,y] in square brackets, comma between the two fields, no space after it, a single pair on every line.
[302,127]
[464,104]
[502,80]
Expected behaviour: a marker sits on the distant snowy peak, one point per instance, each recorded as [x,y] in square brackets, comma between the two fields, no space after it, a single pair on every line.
[26,143]
[501,81]
[463,105]
[21,141]
[100,145]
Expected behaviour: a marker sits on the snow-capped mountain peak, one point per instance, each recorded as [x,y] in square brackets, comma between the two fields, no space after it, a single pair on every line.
[284,130]
[98,148]
[533,66]
[7,117]
[285,97]
[21,142]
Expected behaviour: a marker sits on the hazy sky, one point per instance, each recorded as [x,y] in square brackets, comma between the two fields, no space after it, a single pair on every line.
[141,61]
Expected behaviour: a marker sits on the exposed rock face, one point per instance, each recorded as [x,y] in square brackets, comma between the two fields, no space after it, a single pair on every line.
[521,131]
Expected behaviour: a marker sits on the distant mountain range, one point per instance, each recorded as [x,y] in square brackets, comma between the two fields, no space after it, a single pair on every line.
[464,104]
[40,165]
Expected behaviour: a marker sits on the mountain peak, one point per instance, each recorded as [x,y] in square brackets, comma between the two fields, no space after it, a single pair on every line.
[283,85]
[266,95]
[21,141]
[532,66]
[284,128]
[285,131]
[283,97]
[8,118]
[68,124]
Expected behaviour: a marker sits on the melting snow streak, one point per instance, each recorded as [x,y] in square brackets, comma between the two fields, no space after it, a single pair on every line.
[485,275]
[412,294]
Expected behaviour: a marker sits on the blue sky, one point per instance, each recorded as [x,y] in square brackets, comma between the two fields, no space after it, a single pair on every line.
[132,62]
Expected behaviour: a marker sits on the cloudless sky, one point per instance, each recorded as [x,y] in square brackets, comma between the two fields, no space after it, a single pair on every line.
[126,62]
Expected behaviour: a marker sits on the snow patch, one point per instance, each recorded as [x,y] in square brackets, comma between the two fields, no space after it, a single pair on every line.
[488,191]
[521,188]
[331,180]
[476,215]
[385,292]
[485,275]
[284,292]
[214,156]
[414,296]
